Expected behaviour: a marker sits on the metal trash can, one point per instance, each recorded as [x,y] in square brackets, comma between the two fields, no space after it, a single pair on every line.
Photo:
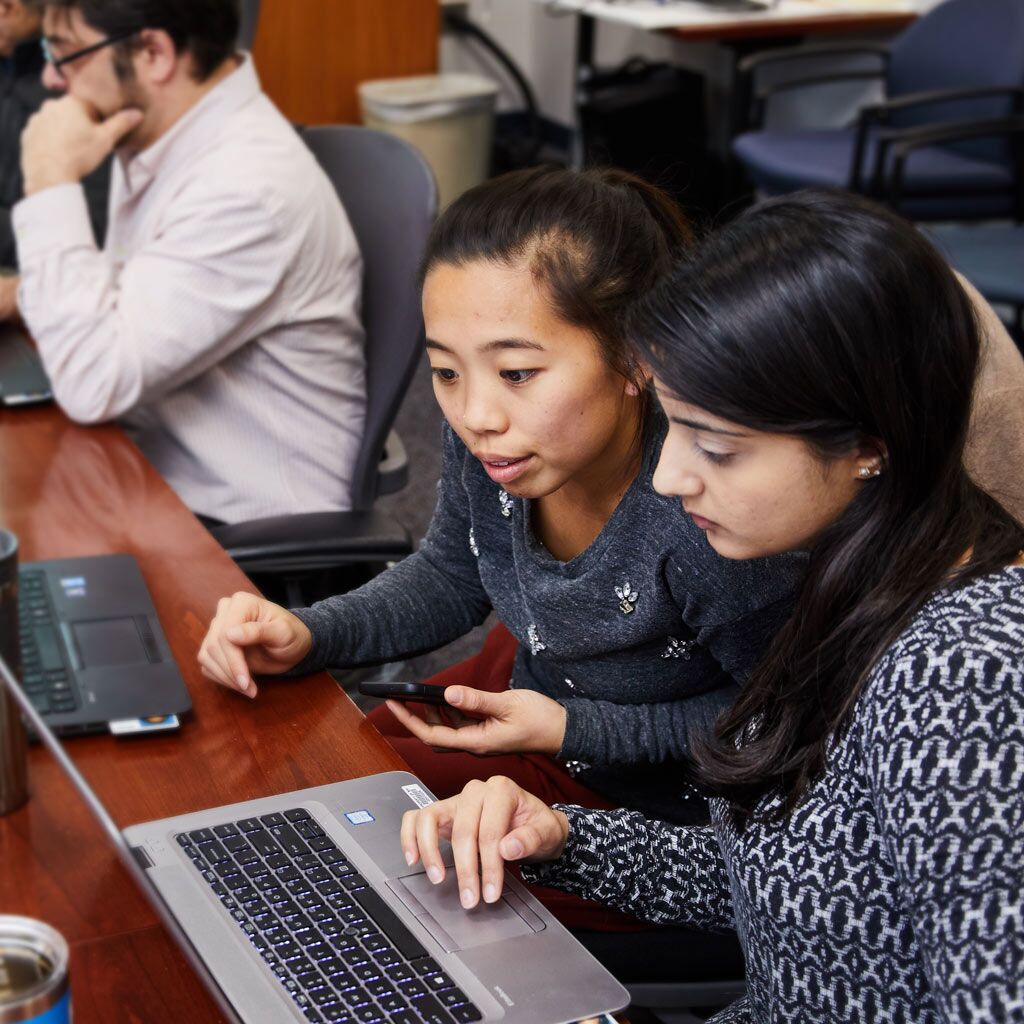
[449,118]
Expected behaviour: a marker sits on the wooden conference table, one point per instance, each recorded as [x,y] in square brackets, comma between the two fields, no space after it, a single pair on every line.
[66,491]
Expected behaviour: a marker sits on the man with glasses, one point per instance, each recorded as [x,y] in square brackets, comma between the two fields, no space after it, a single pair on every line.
[21,94]
[220,322]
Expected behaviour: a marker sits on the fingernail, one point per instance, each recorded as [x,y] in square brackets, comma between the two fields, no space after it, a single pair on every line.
[434,874]
[234,633]
[243,682]
[490,893]
[453,695]
[409,857]
[468,899]
[513,848]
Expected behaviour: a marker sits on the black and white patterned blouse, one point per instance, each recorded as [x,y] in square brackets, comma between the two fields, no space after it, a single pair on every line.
[895,891]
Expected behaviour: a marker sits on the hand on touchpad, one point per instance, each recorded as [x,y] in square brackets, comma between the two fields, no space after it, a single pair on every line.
[438,909]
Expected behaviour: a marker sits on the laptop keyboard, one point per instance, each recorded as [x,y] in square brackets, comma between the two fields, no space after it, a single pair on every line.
[47,679]
[336,947]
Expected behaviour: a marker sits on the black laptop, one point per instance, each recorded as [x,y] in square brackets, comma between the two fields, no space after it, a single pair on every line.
[23,380]
[93,654]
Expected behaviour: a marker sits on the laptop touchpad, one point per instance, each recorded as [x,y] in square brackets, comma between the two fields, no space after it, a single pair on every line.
[438,909]
[109,642]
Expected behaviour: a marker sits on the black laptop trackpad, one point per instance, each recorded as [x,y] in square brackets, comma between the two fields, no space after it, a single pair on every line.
[109,642]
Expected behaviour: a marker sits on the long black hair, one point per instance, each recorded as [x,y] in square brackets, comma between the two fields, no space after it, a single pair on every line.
[823,316]
[594,241]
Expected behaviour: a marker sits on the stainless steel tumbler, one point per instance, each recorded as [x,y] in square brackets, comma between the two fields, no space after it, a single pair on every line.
[13,769]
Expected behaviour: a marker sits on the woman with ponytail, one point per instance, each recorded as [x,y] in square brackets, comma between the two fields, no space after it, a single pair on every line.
[816,360]
[624,635]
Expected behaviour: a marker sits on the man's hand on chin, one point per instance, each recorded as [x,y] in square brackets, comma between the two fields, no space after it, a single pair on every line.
[66,140]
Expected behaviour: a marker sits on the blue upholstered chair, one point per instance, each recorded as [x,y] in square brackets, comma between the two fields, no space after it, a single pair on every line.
[959,64]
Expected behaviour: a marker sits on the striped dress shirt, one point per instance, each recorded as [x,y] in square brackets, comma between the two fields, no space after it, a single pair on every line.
[220,324]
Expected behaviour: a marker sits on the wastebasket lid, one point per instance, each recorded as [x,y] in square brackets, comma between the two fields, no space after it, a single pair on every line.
[450,87]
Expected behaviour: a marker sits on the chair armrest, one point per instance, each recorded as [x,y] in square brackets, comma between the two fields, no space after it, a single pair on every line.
[791,53]
[314,540]
[878,112]
[798,83]
[904,142]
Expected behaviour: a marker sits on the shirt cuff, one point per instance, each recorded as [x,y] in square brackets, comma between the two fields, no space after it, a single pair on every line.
[577,860]
[55,218]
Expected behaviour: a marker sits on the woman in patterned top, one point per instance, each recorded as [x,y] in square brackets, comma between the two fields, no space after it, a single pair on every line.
[816,359]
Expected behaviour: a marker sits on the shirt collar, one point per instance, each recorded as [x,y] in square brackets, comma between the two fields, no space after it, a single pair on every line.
[191,132]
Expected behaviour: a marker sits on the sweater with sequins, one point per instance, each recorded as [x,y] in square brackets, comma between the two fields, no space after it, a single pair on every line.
[895,891]
[643,637]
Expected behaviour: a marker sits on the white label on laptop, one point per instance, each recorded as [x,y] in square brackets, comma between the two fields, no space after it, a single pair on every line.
[418,795]
[135,726]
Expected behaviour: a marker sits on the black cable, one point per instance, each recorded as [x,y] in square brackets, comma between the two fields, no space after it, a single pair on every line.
[461,25]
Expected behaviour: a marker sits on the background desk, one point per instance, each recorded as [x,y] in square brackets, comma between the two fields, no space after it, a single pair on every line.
[66,491]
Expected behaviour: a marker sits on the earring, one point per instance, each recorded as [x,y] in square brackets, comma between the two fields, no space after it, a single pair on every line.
[868,472]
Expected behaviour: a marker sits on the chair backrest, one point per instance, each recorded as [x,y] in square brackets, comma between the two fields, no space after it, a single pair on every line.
[389,194]
[961,44]
[250,19]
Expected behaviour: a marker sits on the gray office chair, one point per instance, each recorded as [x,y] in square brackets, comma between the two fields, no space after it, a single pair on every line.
[391,199]
[250,10]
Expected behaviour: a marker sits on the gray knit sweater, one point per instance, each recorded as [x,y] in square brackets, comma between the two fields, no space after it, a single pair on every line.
[642,637]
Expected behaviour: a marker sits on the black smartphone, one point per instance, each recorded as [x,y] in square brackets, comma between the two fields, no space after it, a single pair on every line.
[404,691]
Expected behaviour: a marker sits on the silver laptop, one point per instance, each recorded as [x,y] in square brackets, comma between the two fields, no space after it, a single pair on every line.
[23,380]
[301,907]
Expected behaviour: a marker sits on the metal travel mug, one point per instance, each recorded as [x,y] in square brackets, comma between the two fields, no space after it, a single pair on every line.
[13,769]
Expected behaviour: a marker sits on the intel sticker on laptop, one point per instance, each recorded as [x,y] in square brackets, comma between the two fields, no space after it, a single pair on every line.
[359,817]
[73,586]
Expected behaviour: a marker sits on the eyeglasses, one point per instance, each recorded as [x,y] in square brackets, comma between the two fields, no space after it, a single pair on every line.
[58,62]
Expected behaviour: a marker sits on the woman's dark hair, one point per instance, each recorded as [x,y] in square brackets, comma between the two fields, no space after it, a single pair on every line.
[594,240]
[823,316]
[207,29]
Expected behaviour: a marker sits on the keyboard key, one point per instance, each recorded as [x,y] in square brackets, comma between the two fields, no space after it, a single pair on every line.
[467,1014]
[270,820]
[432,1011]
[368,1014]
[337,1013]
[333,857]
[310,980]
[298,814]
[390,1003]
[249,825]
[323,996]
[291,842]
[436,982]
[452,997]
[408,945]
[381,987]
[426,965]
[353,881]
[413,989]
[320,844]
[264,843]
[202,835]
[225,831]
